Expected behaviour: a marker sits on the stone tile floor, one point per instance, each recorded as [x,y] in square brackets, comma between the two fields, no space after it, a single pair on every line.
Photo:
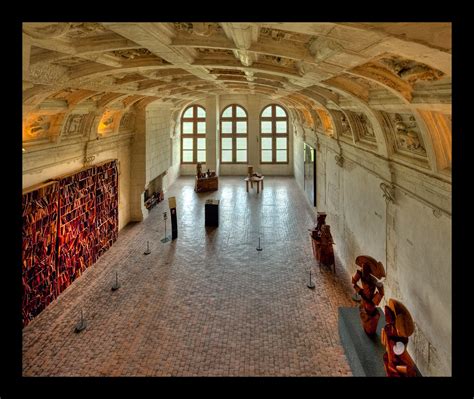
[206,304]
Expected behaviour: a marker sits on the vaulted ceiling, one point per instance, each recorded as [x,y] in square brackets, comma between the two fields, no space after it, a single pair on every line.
[320,71]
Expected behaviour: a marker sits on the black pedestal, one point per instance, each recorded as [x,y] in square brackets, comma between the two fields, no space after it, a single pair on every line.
[174,224]
[211,209]
[364,353]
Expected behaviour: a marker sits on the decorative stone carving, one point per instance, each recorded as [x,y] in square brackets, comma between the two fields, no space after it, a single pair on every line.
[321,48]
[84,29]
[346,128]
[214,51]
[204,29]
[106,124]
[274,34]
[280,61]
[73,125]
[367,131]
[381,74]
[407,135]
[132,54]
[127,122]
[388,192]
[409,70]
[39,127]
[71,62]
[46,31]
[42,73]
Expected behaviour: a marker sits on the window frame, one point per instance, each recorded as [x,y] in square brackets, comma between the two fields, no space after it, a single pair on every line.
[194,135]
[274,135]
[234,135]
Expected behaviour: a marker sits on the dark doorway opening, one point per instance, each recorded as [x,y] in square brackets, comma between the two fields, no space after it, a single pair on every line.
[310,173]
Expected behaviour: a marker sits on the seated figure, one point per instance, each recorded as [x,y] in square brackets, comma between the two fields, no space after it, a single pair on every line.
[399,326]
[371,292]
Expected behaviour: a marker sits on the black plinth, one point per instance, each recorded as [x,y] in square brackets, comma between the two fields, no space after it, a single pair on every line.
[212,212]
[364,353]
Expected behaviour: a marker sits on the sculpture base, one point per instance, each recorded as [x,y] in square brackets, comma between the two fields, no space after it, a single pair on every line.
[364,353]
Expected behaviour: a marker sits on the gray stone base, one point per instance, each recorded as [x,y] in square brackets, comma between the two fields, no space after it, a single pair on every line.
[365,354]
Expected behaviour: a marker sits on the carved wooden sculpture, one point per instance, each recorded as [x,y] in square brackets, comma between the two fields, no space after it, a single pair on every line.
[326,255]
[397,361]
[371,292]
[316,235]
[199,170]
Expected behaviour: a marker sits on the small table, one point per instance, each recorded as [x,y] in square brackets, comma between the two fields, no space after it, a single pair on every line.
[258,180]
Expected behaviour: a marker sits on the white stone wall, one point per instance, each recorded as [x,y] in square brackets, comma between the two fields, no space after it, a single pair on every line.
[158,126]
[412,241]
[54,161]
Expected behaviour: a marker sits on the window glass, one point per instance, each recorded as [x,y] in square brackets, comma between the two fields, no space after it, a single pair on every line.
[280,112]
[241,156]
[266,143]
[187,156]
[266,127]
[201,156]
[281,143]
[201,127]
[281,156]
[188,113]
[266,155]
[226,143]
[241,143]
[281,127]
[201,112]
[187,144]
[227,113]
[201,144]
[226,127]
[187,127]
[226,155]
[241,127]
[240,113]
[267,112]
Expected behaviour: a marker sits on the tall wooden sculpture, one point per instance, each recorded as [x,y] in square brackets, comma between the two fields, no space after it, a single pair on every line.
[371,292]
[397,361]
[322,241]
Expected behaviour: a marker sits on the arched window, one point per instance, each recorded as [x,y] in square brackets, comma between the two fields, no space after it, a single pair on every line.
[234,122]
[273,135]
[193,135]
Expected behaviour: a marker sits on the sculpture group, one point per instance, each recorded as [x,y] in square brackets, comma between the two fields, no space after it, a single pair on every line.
[398,321]
[368,285]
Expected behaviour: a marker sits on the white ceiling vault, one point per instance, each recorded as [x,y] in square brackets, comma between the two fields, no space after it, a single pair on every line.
[351,81]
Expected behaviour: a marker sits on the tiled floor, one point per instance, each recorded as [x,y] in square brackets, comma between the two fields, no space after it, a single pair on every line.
[206,304]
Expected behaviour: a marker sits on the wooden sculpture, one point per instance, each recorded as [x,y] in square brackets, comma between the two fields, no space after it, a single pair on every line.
[322,242]
[369,273]
[316,235]
[326,255]
[399,326]
[199,170]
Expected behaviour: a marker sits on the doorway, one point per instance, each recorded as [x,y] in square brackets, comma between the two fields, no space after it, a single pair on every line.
[310,173]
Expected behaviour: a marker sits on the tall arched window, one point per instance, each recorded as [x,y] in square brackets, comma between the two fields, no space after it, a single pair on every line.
[234,122]
[273,135]
[193,135]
